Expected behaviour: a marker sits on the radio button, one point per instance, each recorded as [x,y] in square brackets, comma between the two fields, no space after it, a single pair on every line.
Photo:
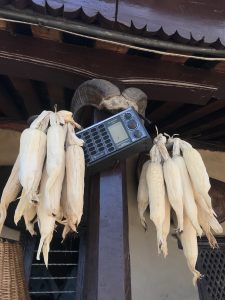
[128,116]
[111,149]
[137,134]
[132,124]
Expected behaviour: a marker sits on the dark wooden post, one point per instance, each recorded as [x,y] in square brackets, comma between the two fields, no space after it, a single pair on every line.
[113,260]
[108,264]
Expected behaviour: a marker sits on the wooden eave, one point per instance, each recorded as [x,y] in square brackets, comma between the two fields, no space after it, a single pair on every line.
[193,22]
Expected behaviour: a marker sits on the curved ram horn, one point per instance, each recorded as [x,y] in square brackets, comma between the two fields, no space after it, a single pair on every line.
[136,98]
[92,92]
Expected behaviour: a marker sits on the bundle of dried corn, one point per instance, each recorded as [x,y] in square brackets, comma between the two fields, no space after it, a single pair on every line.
[49,154]
[187,186]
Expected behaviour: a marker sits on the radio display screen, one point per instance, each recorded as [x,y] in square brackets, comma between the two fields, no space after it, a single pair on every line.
[118,132]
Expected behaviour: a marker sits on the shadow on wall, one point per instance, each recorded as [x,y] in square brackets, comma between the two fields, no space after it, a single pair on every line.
[152,276]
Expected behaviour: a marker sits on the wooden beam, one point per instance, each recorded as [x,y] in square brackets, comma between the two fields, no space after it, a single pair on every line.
[46,33]
[7,106]
[3,25]
[13,125]
[65,64]
[30,98]
[212,122]
[111,47]
[215,134]
[164,110]
[196,115]
[56,96]
[175,59]
[220,67]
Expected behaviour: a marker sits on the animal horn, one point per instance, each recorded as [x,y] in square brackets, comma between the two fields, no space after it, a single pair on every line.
[91,93]
[136,98]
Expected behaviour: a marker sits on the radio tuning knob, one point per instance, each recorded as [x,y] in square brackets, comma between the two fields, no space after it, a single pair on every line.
[137,133]
[132,124]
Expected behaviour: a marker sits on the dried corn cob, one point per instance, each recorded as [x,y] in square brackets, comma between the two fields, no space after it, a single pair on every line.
[29,217]
[55,165]
[10,192]
[204,222]
[197,171]
[142,194]
[173,181]
[21,206]
[166,226]
[32,154]
[190,247]
[75,169]
[190,207]
[46,222]
[156,192]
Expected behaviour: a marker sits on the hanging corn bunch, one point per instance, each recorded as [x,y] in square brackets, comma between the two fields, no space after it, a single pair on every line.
[50,160]
[186,192]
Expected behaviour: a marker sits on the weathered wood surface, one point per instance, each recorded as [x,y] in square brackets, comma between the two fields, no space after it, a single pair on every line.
[21,56]
[184,21]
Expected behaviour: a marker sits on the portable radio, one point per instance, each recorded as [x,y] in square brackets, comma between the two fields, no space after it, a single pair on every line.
[114,138]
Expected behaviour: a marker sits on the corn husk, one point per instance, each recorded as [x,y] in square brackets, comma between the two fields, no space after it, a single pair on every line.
[75,170]
[142,194]
[173,184]
[156,192]
[190,207]
[197,171]
[10,192]
[55,165]
[190,247]
[46,222]
[31,155]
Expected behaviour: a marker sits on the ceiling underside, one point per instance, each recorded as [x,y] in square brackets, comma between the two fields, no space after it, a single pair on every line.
[185,96]
[193,22]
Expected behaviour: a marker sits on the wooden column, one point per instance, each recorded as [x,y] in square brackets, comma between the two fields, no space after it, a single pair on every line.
[113,260]
[108,264]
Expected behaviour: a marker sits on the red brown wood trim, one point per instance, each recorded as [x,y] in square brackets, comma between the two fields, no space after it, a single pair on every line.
[21,56]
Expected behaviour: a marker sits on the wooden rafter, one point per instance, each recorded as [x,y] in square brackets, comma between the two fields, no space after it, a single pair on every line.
[7,106]
[30,98]
[12,125]
[56,96]
[162,81]
[209,123]
[164,110]
[196,114]
[46,33]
